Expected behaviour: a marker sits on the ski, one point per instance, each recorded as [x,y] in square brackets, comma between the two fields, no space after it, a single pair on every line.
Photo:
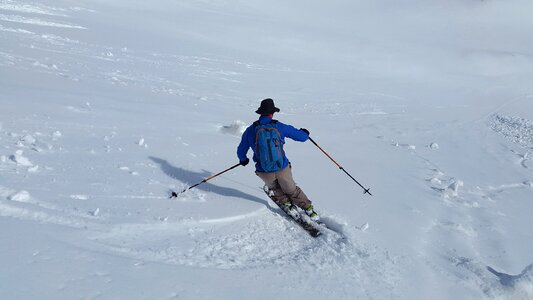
[299,218]
[293,212]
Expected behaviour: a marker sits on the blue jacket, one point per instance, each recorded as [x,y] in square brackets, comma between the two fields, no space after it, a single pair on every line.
[248,140]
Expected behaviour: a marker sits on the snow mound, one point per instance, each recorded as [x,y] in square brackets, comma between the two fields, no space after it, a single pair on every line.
[57,134]
[434,146]
[453,187]
[33,169]
[451,190]
[12,195]
[236,128]
[28,139]
[79,197]
[22,196]
[21,160]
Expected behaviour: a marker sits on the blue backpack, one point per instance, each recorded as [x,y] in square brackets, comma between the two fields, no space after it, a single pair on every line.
[269,146]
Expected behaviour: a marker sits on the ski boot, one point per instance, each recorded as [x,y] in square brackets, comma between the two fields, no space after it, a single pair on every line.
[312,214]
[290,209]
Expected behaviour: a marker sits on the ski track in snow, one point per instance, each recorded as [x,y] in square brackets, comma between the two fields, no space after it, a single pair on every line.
[459,199]
[23,206]
[124,66]
[257,240]
[35,8]
[37,22]
[227,243]
[494,284]
[243,249]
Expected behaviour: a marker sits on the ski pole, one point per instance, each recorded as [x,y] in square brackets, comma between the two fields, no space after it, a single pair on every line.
[367,191]
[174,194]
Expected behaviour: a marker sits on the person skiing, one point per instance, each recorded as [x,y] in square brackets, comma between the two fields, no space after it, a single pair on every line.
[266,137]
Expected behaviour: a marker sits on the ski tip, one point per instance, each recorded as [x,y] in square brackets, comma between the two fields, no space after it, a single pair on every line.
[367,191]
[173,195]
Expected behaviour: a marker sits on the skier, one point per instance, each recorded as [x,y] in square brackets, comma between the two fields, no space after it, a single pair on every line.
[266,137]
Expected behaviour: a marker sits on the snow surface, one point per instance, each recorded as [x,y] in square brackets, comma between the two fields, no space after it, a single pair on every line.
[106,106]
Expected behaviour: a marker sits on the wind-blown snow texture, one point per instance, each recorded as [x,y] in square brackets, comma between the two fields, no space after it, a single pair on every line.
[107,105]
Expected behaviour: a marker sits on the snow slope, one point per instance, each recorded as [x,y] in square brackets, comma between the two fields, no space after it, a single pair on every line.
[109,105]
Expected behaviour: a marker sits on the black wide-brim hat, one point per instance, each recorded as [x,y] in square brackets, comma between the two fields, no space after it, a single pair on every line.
[267,107]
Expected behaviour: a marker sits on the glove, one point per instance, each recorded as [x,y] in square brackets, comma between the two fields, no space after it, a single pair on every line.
[245,162]
[305,130]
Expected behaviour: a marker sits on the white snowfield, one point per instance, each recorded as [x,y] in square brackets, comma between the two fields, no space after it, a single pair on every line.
[108,106]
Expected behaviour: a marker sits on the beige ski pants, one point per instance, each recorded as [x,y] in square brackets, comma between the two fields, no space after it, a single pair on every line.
[284,187]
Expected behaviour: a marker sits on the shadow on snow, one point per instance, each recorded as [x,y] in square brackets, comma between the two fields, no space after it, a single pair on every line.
[191,178]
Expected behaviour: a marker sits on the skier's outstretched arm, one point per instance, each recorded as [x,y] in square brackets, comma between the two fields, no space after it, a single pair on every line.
[296,134]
